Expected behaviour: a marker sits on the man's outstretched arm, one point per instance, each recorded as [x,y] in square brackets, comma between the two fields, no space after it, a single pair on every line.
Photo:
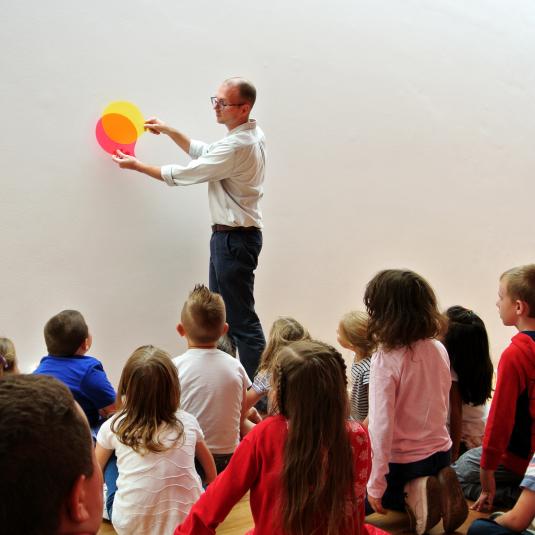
[126,161]
[156,126]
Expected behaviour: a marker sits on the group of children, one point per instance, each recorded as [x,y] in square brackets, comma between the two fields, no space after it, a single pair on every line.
[417,398]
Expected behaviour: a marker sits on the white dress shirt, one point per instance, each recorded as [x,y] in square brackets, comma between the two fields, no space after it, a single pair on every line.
[234,169]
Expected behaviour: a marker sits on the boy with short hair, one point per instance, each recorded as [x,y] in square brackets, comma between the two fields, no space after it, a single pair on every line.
[213,383]
[51,481]
[493,472]
[68,340]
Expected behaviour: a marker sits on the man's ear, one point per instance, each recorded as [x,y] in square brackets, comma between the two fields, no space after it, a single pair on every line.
[76,504]
[180,329]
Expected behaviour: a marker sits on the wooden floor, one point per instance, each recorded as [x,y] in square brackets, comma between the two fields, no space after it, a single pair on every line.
[240,521]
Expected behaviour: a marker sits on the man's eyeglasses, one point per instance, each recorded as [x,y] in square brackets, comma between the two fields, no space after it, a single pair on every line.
[217,103]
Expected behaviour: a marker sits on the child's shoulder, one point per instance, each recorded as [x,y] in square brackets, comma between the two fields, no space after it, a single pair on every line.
[521,349]
[357,431]
[80,362]
[187,418]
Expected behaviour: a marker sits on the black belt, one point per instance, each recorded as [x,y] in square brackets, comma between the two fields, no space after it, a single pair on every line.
[227,228]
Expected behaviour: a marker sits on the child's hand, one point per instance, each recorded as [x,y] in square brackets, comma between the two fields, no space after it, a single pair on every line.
[254,416]
[125,161]
[377,505]
[488,490]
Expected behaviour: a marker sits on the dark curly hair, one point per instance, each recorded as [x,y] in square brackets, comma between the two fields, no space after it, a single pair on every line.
[402,307]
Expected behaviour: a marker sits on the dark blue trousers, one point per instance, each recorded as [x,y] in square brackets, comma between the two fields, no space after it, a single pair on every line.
[233,260]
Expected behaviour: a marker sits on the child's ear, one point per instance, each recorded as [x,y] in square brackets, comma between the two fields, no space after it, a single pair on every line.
[225,329]
[85,345]
[522,308]
[76,506]
[180,329]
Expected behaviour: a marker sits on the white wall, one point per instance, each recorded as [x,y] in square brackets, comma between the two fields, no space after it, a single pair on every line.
[399,133]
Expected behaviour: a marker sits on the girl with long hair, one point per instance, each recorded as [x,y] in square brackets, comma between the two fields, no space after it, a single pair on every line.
[155,445]
[471,369]
[284,331]
[409,392]
[306,468]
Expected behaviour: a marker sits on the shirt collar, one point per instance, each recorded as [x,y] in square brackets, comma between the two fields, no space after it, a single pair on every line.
[249,125]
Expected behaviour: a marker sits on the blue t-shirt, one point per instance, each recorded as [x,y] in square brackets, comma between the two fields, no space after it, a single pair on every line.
[86,379]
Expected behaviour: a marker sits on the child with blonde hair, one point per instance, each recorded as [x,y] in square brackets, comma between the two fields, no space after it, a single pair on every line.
[8,357]
[491,474]
[284,331]
[155,444]
[353,335]
[214,384]
[409,391]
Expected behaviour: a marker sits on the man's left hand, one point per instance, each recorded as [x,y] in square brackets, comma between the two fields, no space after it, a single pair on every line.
[125,161]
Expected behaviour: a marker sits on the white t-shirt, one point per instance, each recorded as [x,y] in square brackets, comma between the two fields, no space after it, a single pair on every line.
[213,386]
[155,491]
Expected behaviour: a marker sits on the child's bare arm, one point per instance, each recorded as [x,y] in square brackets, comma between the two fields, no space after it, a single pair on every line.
[207,461]
[103,455]
[521,515]
[456,419]
[252,398]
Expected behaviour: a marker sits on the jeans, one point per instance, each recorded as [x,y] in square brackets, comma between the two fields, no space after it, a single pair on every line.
[486,526]
[467,469]
[233,260]
[401,473]
[111,473]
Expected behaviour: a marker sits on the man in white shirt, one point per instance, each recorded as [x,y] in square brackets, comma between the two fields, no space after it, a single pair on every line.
[234,169]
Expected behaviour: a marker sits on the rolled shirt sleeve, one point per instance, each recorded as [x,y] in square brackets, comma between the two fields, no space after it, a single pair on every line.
[210,163]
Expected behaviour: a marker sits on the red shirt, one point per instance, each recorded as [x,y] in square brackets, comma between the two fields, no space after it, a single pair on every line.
[256,466]
[510,431]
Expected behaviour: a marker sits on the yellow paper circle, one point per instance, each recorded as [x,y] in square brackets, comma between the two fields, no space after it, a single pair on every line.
[129,110]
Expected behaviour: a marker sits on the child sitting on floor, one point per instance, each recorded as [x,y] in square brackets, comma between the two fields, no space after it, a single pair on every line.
[353,335]
[306,468]
[213,383]
[155,445]
[68,340]
[467,344]
[284,331]
[492,472]
[409,392]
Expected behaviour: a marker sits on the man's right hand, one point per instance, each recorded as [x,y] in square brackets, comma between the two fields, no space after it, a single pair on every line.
[156,126]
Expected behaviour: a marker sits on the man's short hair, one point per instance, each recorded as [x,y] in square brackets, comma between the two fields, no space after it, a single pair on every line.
[65,333]
[203,315]
[45,445]
[246,89]
[520,283]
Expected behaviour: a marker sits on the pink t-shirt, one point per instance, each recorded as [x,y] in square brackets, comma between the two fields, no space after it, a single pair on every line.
[408,407]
